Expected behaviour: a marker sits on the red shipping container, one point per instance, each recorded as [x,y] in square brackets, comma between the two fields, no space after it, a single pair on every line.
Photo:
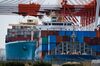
[59,39]
[87,40]
[97,40]
[56,33]
[98,34]
[98,53]
[44,33]
[65,38]
[50,32]
[94,41]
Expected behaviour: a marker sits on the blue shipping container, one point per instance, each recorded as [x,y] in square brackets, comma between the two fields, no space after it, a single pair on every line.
[89,33]
[62,33]
[96,48]
[68,33]
[44,47]
[80,36]
[52,38]
[51,46]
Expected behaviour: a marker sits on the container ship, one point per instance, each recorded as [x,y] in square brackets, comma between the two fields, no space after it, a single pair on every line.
[20,42]
[55,35]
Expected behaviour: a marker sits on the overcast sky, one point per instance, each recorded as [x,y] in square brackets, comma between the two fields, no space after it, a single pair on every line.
[5,20]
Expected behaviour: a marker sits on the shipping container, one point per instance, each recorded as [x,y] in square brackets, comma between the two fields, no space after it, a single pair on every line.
[98,34]
[89,33]
[79,36]
[66,38]
[44,40]
[68,33]
[87,40]
[36,34]
[61,33]
[43,47]
[51,46]
[96,48]
[44,33]
[19,38]
[92,33]
[97,40]
[51,32]
[92,41]
[98,53]
[59,39]
[52,38]
[56,33]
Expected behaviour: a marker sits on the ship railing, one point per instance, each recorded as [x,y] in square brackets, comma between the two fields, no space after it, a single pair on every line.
[51,26]
[67,49]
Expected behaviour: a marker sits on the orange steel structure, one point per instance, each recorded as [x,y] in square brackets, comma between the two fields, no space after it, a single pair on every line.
[86,12]
[28,9]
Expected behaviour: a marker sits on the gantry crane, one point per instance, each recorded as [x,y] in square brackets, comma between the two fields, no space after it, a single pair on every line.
[83,12]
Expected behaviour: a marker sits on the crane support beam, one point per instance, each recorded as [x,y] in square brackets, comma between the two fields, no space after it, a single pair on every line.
[97,13]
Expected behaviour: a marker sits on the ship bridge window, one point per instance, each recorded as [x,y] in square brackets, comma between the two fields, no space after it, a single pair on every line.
[18,27]
[57,23]
[69,23]
[54,19]
[65,24]
[47,23]
[29,20]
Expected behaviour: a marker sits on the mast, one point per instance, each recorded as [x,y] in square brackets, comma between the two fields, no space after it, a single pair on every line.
[73,39]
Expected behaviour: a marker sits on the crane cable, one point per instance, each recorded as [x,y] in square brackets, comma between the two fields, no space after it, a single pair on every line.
[9,1]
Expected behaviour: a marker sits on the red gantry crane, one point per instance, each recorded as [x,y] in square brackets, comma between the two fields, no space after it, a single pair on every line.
[87,11]
[80,12]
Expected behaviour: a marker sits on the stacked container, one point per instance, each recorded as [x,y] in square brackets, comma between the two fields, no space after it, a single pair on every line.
[44,33]
[97,49]
[44,44]
[93,40]
[51,42]
[62,33]
[50,39]
[21,35]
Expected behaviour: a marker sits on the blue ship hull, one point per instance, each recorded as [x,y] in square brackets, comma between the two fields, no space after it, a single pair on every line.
[23,50]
